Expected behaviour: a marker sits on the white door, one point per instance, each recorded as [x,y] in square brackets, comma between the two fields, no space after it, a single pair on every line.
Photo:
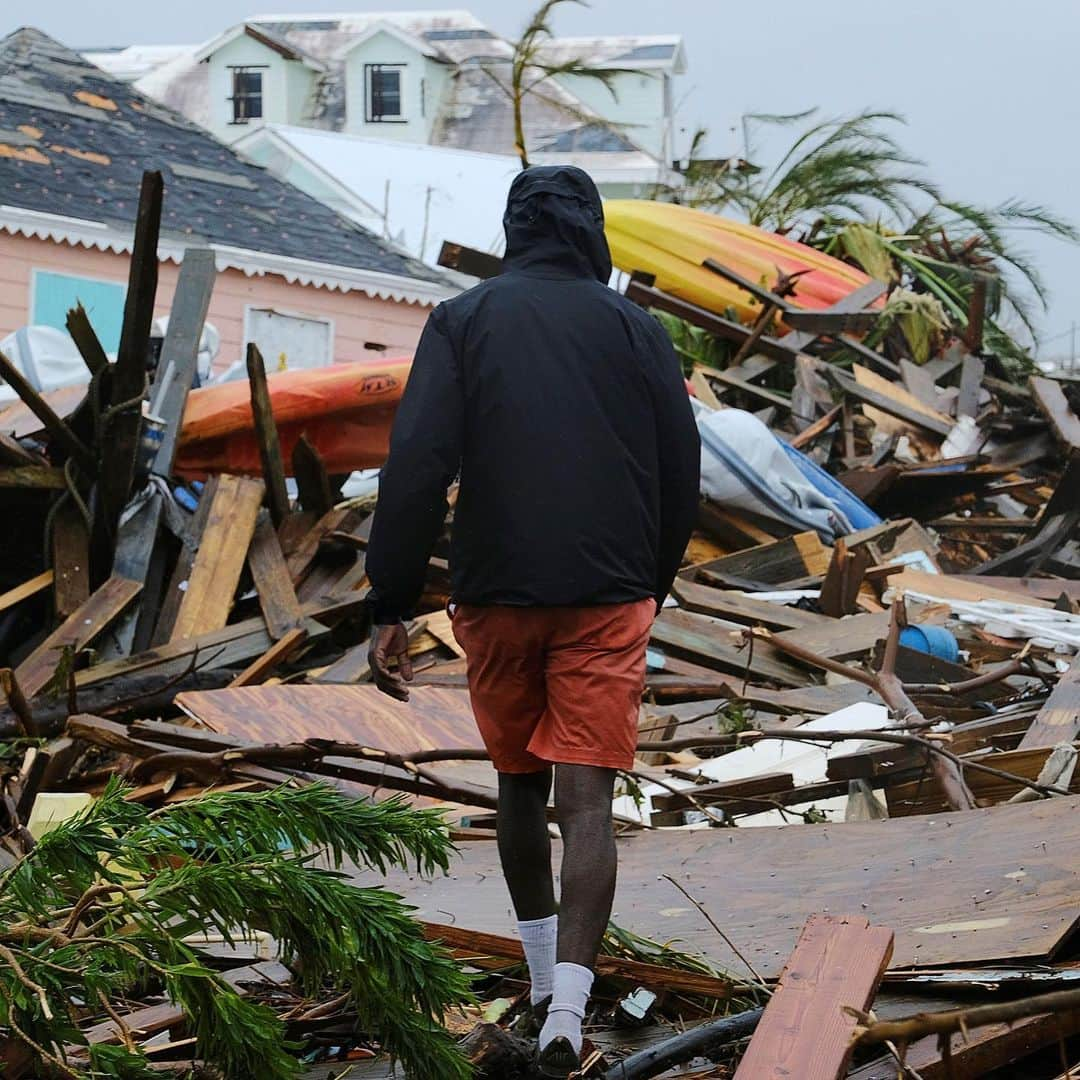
[288,342]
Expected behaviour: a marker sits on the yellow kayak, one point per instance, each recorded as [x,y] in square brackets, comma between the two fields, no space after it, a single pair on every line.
[673,241]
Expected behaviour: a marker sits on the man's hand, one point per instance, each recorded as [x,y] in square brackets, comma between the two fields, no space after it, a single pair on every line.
[391,643]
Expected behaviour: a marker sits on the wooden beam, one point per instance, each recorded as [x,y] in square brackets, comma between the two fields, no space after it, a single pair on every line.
[70,544]
[889,405]
[312,482]
[736,606]
[120,435]
[86,340]
[277,596]
[1059,719]
[971,377]
[220,558]
[467,260]
[76,632]
[806,1032]
[1053,404]
[42,477]
[266,435]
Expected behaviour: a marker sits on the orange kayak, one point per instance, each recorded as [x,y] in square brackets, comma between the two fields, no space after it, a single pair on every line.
[673,241]
[346,411]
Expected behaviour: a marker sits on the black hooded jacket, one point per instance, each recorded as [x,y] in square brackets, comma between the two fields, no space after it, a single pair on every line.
[562,406]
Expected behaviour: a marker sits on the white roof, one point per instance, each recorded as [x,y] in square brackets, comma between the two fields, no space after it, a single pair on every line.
[638,52]
[135,60]
[429,193]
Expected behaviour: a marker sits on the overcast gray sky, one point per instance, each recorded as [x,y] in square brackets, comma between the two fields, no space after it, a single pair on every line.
[985,84]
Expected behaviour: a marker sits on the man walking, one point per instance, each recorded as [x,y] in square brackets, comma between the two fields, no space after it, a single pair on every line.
[562,408]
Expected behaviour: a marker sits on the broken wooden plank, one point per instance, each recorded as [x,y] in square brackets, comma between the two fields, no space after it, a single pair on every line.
[178,364]
[1059,719]
[971,377]
[775,563]
[70,550]
[1053,404]
[841,639]
[312,482]
[890,404]
[806,1031]
[277,596]
[86,340]
[740,608]
[266,435]
[279,653]
[467,260]
[26,590]
[843,580]
[76,632]
[220,558]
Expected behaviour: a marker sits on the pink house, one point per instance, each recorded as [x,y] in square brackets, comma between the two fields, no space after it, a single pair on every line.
[307,285]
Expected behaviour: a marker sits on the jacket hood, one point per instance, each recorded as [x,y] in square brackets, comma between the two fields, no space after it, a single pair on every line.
[554,223]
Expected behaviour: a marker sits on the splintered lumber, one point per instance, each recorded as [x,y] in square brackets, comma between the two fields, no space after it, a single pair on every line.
[892,404]
[180,350]
[277,596]
[843,580]
[916,875]
[266,435]
[77,631]
[1058,720]
[432,718]
[1053,404]
[306,551]
[805,1032]
[86,340]
[312,482]
[26,590]
[120,436]
[700,639]
[791,559]
[736,606]
[220,558]
[233,644]
[70,543]
[279,653]
[477,943]
[841,639]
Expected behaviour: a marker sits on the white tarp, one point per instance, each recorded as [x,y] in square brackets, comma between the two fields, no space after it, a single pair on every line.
[46,357]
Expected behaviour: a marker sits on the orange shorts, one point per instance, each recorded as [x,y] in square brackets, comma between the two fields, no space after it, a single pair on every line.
[556,684]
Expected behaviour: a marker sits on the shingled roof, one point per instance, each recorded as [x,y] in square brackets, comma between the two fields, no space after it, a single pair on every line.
[75,141]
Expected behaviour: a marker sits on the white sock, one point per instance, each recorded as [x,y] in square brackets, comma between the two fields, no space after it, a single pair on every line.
[539,937]
[569,996]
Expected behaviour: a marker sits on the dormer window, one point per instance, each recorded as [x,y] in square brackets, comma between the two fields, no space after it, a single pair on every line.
[383,93]
[247,94]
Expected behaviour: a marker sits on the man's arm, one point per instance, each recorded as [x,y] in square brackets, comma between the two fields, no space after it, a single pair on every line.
[679,448]
[425,455]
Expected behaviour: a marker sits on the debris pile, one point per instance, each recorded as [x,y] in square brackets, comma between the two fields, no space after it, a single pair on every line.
[880,652]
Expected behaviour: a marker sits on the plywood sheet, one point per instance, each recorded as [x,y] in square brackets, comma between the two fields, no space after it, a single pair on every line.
[958,888]
[432,717]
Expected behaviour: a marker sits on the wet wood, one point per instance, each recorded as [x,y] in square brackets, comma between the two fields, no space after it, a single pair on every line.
[266,435]
[805,1032]
[82,626]
[219,560]
[277,596]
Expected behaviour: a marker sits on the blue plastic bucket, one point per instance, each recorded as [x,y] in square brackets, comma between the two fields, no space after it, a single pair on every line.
[934,640]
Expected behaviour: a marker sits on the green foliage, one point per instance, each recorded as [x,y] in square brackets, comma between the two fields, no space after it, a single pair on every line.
[694,345]
[102,905]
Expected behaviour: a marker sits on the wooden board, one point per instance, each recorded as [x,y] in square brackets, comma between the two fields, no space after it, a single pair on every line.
[432,717]
[70,545]
[917,875]
[77,631]
[1025,590]
[220,557]
[729,604]
[711,643]
[1059,719]
[277,596]
[842,639]
[1051,400]
[26,590]
[804,1033]
[896,404]
[794,557]
[967,589]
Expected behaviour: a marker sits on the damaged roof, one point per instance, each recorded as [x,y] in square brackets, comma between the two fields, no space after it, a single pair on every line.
[75,141]
[475,112]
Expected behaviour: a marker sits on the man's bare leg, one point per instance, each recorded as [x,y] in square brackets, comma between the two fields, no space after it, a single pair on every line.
[524,843]
[583,805]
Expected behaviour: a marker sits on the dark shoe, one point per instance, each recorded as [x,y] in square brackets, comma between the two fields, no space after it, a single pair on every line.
[532,1019]
[558,1060]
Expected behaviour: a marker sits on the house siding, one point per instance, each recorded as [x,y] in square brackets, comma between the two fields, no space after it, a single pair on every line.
[638,107]
[357,317]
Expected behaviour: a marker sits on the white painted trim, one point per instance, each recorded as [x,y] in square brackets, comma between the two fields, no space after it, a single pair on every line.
[403,114]
[95,234]
[289,314]
[403,36]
